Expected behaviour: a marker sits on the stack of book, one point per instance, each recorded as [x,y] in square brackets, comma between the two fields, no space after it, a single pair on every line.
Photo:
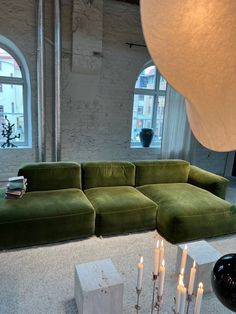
[16,187]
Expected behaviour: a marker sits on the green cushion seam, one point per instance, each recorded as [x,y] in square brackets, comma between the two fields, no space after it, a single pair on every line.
[126,211]
[202,215]
[162,165]
[108,166]
[56,168]
[49,217]
[51,191]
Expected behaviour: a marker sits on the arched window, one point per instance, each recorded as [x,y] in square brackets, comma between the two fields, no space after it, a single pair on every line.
[148,105]
[14,94]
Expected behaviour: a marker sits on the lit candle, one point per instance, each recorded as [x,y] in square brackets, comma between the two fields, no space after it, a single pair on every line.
[161,253]
[182,299]
[182,274]
[192,279]
[161,279]
[178,293]
[184,257]
[140,274]
[156,259]
[198,303]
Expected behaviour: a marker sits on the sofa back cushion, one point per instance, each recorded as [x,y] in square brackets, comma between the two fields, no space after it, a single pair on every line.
[161,171]
[44,176]
[108,173]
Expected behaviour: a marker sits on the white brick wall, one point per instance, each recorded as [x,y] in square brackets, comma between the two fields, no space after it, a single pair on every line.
[96,109]
[17,22]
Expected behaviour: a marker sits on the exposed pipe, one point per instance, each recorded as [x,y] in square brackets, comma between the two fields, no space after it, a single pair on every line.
[57,69]
[40,83]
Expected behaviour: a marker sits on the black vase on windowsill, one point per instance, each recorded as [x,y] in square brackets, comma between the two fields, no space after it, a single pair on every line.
[146,136]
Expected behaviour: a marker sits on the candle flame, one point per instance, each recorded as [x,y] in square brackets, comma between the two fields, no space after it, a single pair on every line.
[194,264]
[163,263]
[181,283]
[200,285]
[157,244]
[182,271]
[185,247]
[141,259]
[162,243]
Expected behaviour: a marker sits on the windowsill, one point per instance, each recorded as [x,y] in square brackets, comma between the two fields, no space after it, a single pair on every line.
[150,147]
[14,148]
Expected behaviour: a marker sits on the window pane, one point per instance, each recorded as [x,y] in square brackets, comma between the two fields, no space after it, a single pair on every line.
[11,105]
[142,115]
[147,78]
[8,65]
[162,84]
[159,121]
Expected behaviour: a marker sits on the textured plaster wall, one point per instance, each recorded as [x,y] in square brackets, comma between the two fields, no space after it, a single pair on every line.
[96,109]
[220,163]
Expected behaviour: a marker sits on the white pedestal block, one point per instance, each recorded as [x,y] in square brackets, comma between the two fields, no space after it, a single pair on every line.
[205,257]
[98,288]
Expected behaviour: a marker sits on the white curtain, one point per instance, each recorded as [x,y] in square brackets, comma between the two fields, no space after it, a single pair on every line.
[177,135]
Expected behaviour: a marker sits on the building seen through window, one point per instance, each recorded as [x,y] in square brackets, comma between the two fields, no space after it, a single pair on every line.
[148,105]
[12,95]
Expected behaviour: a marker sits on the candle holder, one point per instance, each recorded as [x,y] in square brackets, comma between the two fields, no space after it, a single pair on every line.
[158,303]
[137,306]
[154,279]
[173,307]
[189,299]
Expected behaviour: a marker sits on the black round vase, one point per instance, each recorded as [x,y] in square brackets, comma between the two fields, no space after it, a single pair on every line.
[146,136]
[223,280]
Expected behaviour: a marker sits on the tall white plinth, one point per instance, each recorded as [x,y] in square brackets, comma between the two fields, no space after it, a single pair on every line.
[205,257]
[98,288]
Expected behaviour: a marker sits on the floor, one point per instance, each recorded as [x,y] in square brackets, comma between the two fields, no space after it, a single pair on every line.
[40,280]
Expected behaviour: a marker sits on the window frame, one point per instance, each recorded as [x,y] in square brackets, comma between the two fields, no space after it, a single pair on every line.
[155,92]
[24,82]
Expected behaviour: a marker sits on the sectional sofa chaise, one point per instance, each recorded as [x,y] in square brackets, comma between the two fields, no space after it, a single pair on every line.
[66,200]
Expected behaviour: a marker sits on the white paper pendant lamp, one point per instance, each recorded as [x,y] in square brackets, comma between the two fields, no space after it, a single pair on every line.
[193,43]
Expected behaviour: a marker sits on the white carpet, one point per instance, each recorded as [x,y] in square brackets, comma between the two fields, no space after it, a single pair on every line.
[40,280]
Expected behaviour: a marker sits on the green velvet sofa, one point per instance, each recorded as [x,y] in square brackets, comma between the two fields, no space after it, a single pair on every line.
[66,200]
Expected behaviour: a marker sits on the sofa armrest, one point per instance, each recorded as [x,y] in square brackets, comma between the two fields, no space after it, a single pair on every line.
[208,181]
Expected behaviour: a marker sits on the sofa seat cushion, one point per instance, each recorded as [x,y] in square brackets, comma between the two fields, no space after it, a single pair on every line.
[121,209]
[44,217]
[186,212]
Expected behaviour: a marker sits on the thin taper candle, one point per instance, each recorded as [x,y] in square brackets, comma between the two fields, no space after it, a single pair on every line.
[182,274]
[197,308]
[192,279]
[162,250]
[182,300]
[184,257]
[156,259]
[140,274]
[161,279]
[178,293]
